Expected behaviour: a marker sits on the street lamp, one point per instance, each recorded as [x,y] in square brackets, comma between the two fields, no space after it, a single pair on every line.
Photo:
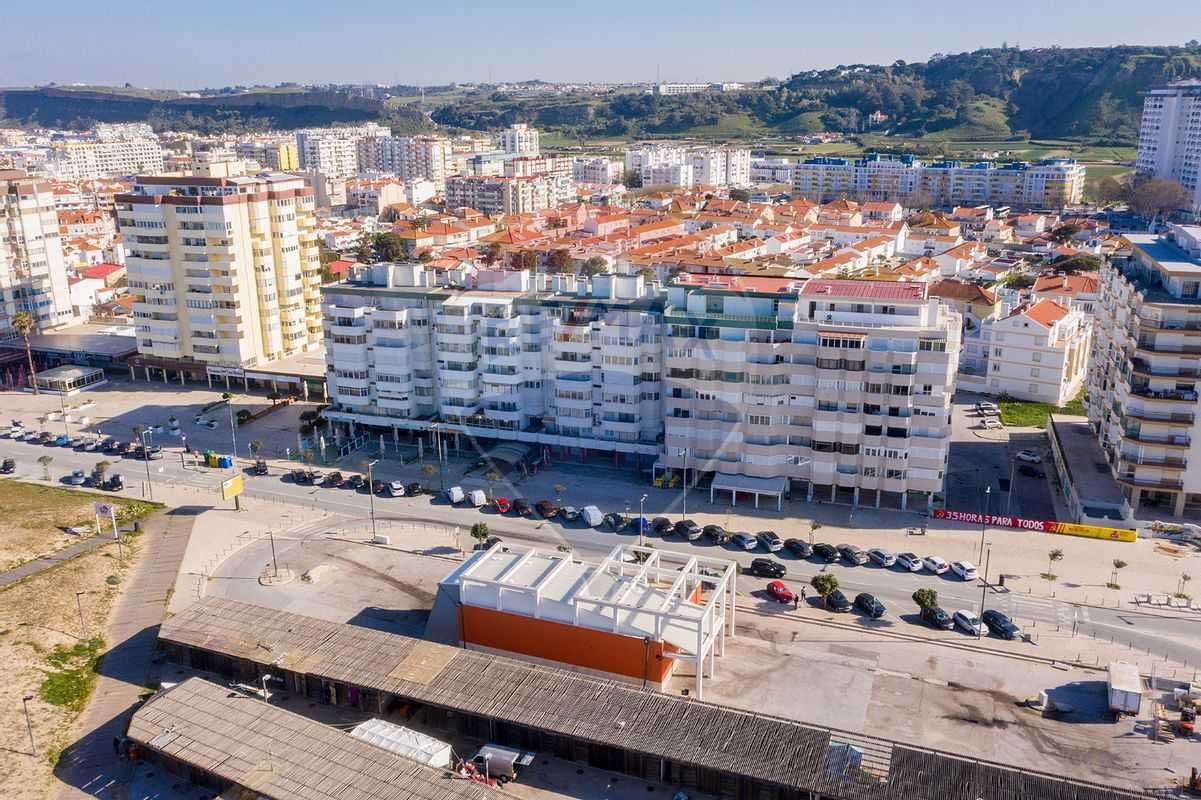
[641,518]
[29,725]
[984,590]
[266,697]
[83,629]
[146,456]
[984,518]
[63,405]
[684,501]
[371,495]
[233,432]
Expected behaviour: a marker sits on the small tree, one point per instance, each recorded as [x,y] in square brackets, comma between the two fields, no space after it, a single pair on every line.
[101,468]
[741,195]
[595,266]
[825,584]
[814,527]
[428,471]
[256,447]
[559,489]
[925,598]
[479,531]
[1113,576]
[1184,579]
[492,476]
[22,323]
[307,456]
[1052,557]
[45,462]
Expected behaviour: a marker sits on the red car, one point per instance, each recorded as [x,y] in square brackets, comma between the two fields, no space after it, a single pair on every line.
[502,505]
[780,592]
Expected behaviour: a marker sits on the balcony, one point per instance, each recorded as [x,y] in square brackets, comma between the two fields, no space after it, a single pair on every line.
[1147,392]
[1179,418]
[1158,440]
[1164,462]
[1150,346]
[1170,484]
[1141,366]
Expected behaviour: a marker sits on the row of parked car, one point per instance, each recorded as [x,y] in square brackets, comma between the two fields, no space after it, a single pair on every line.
[88,444]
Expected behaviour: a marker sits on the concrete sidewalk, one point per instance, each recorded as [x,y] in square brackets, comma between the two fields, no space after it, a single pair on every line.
[59,556]
[88,767]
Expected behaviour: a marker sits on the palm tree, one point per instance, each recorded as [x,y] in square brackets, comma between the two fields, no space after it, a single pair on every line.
[428,471]
[22,323]
[256,447]
[492,476]
[1052,557]
[479,531]
[559,489]
[45,462]
[1184,579]
[100,469]
[814,527]
[1113,577]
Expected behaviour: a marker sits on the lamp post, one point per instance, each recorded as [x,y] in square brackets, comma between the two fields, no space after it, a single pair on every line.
[984,590]
[984,517]
[684,502]
[233,433]
[641,518]
[266,696]
[83,629]
[371,494]
[29,725]
[146,456]
[63,405]
[1009,502]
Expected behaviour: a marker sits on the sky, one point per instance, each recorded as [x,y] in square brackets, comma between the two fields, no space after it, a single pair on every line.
[220,42]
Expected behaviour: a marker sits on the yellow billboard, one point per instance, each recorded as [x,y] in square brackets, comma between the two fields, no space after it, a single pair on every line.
[1095,532]
[231,487]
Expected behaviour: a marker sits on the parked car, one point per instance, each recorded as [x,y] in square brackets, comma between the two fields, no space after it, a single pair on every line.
[569,513]
[744,540]
[826,552]
[638,526]
[299,476]
[501,504]
[837,601]
[935,617]
[91,445]
[869,605]
[964,569]
[114,483]
[991,423]
[110,446]
[881,556]
[1029,456]
[853,554]
[547,509]
[985,407]
[717,533]
[521,507]
[688,529]
[1000,625]
[614,521]
[660,525]
[968,622]
[259,468]
[798,547]
[76,478]
[354,482]
[381,487]
[316,477]
[910,561]
[454,495]
[476,498]
[396,489]
[333,480]
[777,591]
[770,541]
[935,564]
[767,568]
[78,442]
[1031,471]
[413,489]
[8,466]
[62,440]
[591,516]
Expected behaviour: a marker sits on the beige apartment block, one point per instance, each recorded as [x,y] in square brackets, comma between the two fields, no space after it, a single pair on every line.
[224,271]
[841,388]
[1145,370]
[33,273]
[1037,352]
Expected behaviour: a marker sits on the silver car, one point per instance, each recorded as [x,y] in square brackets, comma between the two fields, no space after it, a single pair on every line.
[881,556]
[745,540]
[910,561]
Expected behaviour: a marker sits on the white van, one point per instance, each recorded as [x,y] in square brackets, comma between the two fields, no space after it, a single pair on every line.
[455,495]
[591,516]
[477,498]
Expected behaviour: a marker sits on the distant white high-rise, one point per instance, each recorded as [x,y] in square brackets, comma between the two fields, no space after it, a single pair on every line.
[33,274]
[1169,139]
[519,138]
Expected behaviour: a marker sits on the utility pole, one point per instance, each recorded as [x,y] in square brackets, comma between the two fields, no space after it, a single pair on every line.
[984,517]
[29,725]
[146,456]
[1009,502]
[371,495]
[233,433]
[984,591]
[641,518]
[83,629]
[274,563]
[684,507]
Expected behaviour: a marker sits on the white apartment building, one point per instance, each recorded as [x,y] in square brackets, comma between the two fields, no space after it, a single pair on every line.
[409,157]
[224,272]
[721,166]
[334,152]
[842,388]
[679,175]
[771,170]
[1036,352]
[654,155]
[596,170]
[86,161]
[519,139]
[569,365]
[1143,396]
[1169,138]
[499,195]
[669,89]
[33,272]
[529,166]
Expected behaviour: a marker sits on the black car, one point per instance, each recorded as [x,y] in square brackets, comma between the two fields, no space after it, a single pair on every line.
[488,543]
[613,520]
[1031,471]
[826,552]
[379,487]
[837,601]
[354,482]
[868,604]
[521,507]
[660,525]
[999,625]
[110,446]
[333,480]
[259,467]
[935,617]
[685,527]
[717,533]
[8,466]
[413,489]
[767,568]
[300,476]
[798,547]
[114,483]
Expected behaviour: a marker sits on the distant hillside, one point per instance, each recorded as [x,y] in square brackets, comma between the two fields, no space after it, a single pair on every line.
[1086,93]
[79,109]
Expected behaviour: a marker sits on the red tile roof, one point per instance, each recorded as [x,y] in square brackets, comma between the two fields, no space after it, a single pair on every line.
[1084,283]
[102,271]
[341,266]
[867,290]
[1046,312]
[736,283]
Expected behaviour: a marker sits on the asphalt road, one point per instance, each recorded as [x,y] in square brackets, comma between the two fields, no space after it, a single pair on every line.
[1177,637]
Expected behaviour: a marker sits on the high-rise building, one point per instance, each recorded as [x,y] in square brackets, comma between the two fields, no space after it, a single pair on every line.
[33,273]
[409,157]
[1169,139]
[223,271]
[499,195]
[841,387]
[334,152]
[721,166]
[273,154]
[1143,395]
[87,161]
[596,170]
[520,139]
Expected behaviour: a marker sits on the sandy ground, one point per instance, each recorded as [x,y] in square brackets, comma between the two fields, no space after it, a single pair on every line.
[37,615]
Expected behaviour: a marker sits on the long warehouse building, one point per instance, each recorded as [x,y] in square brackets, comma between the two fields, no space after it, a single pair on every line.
[607,724]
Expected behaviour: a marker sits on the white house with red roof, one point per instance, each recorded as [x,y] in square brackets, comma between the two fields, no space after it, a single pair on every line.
[1037,352]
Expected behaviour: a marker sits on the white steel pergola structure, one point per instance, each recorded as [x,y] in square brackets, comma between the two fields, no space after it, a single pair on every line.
[684,600]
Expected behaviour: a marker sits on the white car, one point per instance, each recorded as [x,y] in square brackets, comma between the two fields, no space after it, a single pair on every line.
[935,564]
[986,408]
[396,489]
[968,622]
[881,557]
[1029,456]
[991,424]
[910,561]
[91,445]
[745,540]
[964,569]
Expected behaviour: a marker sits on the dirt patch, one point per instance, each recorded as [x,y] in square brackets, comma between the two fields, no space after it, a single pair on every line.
[35,518]
[46,655]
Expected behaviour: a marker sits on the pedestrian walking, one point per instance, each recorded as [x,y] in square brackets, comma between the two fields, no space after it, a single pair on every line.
[802,592]
[796,602]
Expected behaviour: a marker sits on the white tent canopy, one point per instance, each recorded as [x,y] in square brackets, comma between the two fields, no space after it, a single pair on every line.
[404,742]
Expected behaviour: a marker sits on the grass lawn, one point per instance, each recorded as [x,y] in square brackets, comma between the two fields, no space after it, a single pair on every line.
[1027,414]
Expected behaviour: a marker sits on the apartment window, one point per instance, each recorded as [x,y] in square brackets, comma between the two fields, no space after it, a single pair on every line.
[1034,388]
[996,351]
[848,449]
[1034,372]
[755,419]
[824,447]
[895,474]
[996,368]
[1036,356]
[871,472]
[932,345]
